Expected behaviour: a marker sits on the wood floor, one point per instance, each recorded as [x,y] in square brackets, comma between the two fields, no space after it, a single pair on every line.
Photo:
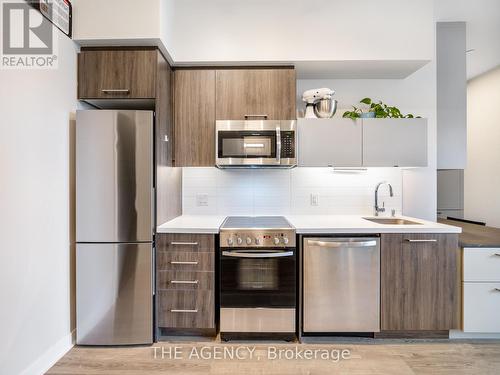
[374,357]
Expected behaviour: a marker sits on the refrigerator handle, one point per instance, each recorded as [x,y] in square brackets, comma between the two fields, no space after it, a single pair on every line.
[153,211]
[153,267]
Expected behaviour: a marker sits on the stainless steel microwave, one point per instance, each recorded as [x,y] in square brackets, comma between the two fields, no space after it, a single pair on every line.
[255,143]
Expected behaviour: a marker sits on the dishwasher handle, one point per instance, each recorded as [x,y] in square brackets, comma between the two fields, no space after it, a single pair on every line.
[342,244]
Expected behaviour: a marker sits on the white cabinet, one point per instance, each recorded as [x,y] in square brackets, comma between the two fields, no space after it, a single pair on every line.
[451,95]
[481,307]
[325,142]
[450,192]
[482,264]
[481,290]
[395,142]
[344,142]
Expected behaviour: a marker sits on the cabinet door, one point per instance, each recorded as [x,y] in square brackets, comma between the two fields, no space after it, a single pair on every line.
[266,93]
[325,142]
[395,142]
[420,282]
[194,117]
[117,74]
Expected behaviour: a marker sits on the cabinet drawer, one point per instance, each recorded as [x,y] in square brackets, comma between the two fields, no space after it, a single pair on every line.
[185,280]
[482,264]
[117,74]
[185,261]
[186,309]
[481,307]
[186,242]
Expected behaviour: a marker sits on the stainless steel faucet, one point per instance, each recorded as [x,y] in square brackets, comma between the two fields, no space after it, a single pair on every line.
[377,208]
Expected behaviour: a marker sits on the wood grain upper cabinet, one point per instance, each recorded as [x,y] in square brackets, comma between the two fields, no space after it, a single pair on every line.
[194,117]
[108,74]
[256,92]
[420,282]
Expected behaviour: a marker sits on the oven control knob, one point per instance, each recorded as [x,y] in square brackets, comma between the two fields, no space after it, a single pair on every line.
[230,241]
[285,240]
[249,241]
[276,241]
[257,241]
[239,241]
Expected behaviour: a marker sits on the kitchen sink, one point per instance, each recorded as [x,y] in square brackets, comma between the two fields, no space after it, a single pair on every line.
[391,221]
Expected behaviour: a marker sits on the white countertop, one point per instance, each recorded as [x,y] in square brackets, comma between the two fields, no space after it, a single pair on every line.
[192,224]
[310,224]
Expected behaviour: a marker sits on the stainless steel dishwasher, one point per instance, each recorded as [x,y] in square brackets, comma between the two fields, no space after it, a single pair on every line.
[341,285]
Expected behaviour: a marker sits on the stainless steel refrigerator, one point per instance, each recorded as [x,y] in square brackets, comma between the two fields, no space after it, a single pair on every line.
[114,227]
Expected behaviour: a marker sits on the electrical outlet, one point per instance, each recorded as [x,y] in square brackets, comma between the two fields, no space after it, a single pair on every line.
[202,199]
[314,200]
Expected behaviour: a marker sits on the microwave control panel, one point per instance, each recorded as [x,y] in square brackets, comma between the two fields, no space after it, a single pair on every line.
[288,144]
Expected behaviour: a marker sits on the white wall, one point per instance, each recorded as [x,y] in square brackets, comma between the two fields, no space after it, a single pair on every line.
[288,191]
[415,94]
[482,177]
[36,213]
[116,19]
[483,30]
[122,23]
[293,30]
[200,31]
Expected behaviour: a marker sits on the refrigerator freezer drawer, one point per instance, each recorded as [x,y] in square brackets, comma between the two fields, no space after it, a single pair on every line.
[341,285]
[114,294]
[114,176]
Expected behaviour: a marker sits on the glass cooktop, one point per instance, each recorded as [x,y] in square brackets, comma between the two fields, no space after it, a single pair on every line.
[256,222]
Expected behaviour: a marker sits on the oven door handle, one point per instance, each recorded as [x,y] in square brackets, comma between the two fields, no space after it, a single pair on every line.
[277,254]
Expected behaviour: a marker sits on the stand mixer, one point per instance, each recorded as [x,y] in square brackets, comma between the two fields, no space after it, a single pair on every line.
[312,97]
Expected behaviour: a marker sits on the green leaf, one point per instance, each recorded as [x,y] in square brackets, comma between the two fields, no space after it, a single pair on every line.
[366,101]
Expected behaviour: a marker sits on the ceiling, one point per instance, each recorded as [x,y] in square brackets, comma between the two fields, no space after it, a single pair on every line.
[483,30]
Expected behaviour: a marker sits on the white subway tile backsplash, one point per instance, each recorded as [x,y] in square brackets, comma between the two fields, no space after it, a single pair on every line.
[288,191]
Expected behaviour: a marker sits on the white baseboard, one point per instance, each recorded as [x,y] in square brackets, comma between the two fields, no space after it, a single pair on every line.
[43,363]
[461,335]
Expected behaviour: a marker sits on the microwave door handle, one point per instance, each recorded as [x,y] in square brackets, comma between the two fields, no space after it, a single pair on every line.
[278,145]
[253,145]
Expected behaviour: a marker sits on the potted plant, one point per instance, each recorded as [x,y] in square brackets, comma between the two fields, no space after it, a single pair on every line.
[375,110]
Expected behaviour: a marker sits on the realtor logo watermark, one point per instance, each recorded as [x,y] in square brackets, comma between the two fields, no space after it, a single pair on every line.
[28,38]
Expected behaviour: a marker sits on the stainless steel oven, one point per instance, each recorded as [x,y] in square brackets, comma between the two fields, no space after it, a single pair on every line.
[255,143]
[257,276]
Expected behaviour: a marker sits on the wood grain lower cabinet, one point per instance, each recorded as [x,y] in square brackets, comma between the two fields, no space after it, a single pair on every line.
[185,281]
[194,117]
[420,282]
[256,92]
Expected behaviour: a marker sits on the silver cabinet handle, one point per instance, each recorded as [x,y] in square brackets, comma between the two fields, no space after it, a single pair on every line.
[183,311]
[111,91]
[417,241]
[183,281]
[351,244]
[278,144]
[174,243]
[183,262]
[237,254]
[250,116]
